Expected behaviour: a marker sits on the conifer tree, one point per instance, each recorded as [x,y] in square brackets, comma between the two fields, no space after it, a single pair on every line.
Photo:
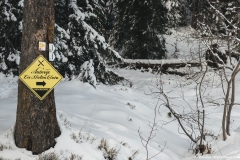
[10,35]
[80,46]
[62,38]
[119,34]
[184,12]
[174,11]
[86,51]
[2,22]
[109,17]
[211,17]
[61,13]
[138,29]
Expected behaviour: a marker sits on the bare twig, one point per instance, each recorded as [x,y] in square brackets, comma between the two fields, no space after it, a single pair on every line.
[152,134]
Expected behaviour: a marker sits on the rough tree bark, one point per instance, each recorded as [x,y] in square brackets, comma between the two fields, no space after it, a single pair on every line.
[194,14]
[36,124]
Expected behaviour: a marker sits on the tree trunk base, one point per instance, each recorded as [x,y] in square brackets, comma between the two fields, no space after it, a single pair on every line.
[36,125]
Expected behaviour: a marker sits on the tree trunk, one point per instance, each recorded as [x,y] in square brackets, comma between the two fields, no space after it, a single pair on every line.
[194,14]
[36,124]
[225,109]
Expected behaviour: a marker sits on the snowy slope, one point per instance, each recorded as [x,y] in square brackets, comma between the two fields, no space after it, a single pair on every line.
[115,113]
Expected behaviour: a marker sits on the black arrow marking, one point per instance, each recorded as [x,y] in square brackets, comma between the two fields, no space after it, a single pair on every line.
[41,83]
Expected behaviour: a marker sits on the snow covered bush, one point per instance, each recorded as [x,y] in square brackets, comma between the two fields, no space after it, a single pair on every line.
[10,35]
[87,73]
[108,152]
[81,50]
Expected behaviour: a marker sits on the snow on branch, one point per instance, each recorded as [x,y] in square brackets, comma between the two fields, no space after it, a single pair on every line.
[218,12]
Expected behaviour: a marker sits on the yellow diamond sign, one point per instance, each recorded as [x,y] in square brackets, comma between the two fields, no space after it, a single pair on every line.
[40,77]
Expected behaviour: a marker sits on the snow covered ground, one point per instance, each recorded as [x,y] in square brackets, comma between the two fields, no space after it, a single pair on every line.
[89,116]
[112,116]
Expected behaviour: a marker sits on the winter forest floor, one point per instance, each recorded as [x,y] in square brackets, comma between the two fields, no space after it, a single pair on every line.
[106,121]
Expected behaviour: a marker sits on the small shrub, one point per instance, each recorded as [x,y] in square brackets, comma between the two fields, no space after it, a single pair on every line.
[75,157]
[108,153]
[83,137]
[2,147]
[132,106]
[123,143]
[48,156]
[74,137]
[203,149]
[89,138]
[66,123]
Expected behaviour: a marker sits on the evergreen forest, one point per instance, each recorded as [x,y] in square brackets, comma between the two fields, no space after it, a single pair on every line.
[91,33]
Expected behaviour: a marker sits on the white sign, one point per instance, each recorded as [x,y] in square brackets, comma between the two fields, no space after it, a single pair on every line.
[51,52]
[42,46]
